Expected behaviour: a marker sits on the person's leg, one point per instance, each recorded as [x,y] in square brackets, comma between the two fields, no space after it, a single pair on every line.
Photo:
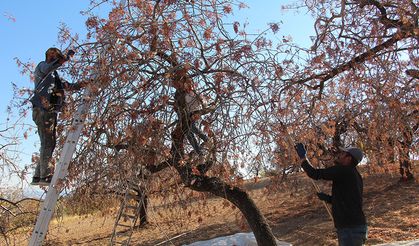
[352,236]
[192,140]
[359,234]
[344,237]
[37,118]
[198,132]
[48,142]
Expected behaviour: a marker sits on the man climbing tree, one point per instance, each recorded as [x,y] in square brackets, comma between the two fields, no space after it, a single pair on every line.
[195,107]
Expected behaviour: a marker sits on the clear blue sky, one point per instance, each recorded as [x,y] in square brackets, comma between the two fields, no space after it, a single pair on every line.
[29,27]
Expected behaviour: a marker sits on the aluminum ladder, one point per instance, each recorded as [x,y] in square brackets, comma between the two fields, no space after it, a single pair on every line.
[61,171]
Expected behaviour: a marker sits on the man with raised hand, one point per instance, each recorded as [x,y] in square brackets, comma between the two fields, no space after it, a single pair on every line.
[346,198]
[47,101]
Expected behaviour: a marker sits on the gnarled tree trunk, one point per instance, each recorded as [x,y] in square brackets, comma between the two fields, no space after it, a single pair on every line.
[203,183]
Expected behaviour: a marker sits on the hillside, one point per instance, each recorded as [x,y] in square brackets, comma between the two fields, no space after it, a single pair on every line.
[292,209]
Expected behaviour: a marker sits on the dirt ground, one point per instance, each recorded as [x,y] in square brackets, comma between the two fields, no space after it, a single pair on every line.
[291,208]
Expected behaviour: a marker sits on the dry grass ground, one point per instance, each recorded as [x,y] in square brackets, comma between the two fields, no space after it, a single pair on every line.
[292,209]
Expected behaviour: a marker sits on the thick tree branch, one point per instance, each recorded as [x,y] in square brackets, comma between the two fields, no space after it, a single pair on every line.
[325,76]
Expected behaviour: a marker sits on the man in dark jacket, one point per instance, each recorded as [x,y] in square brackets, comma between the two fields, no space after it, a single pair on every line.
[346,198]
[47,101]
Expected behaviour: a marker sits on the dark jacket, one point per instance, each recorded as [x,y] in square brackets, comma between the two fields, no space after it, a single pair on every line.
[49,88]
[347,188]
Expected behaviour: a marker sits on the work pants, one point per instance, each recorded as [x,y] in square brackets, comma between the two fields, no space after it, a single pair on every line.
[46,123]
[352,236]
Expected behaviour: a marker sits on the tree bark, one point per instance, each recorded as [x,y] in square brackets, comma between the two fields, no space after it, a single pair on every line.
[255,219]
[242,200]
[257,222]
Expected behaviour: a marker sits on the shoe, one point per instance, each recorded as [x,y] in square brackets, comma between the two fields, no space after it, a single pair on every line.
[45,181]
[35,181]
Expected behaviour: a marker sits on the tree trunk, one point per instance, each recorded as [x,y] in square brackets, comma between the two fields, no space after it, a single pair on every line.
[203,183]
[242,201]
[235,195]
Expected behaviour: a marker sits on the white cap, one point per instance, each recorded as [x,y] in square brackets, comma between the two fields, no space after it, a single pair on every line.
[354,152]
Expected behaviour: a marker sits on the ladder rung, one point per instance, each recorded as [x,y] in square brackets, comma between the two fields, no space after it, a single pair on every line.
[129,216]
[131,207]
[122,225]
[135,189]
[136,197]
[125,242]
[126,233]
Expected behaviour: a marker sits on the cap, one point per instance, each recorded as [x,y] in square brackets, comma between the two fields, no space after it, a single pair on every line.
[354,152]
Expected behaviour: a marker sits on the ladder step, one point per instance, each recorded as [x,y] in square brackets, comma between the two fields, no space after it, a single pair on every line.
[125,242]
[135,197]
[131,207]
[135,189]
[126,233]
[129,216]
[122,225]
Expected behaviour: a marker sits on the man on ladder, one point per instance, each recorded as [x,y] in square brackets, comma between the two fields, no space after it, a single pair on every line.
[47,101]
[44,99]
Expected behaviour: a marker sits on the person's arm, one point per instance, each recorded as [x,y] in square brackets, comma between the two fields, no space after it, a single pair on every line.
[311,171]
[72,86]
[330,173]
[46,68]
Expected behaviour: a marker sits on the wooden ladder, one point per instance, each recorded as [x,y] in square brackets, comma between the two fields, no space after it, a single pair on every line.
[128,214]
